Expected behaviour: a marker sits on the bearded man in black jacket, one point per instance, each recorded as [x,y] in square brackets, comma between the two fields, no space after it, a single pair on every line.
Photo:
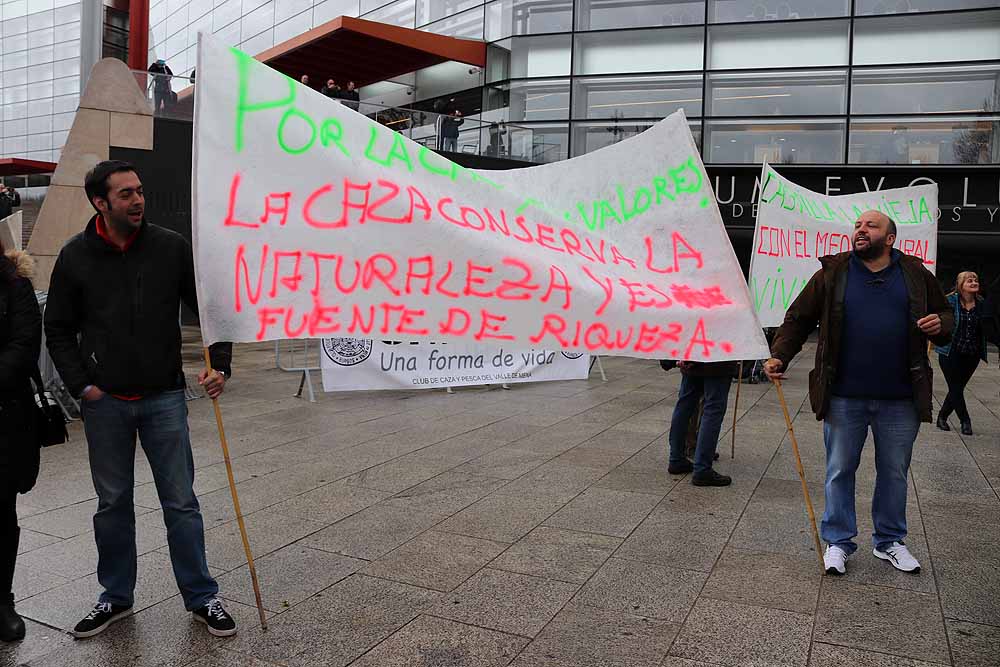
[111,325]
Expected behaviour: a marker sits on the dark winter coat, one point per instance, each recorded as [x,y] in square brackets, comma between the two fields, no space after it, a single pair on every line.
[125,307]
[20,344]
[822,303]
[710,369]
[449,126]
[161,83]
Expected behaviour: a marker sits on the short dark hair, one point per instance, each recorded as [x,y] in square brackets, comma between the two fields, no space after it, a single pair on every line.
[96,182]
[891,228]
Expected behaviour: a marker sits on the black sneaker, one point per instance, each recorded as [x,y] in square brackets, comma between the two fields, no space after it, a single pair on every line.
[680,468]
[710,478]
[218,620]
[100,617]
[967,428]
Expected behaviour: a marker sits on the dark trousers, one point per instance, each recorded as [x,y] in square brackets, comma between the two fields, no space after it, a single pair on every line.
[715,391]
[958,370]
[8,541]
[160,97]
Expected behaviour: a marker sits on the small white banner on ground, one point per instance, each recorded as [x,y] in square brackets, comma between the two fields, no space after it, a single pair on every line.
[352,363]
[796,226]
[313,221]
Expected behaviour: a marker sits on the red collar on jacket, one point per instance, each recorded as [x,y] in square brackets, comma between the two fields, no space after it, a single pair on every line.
[102,231]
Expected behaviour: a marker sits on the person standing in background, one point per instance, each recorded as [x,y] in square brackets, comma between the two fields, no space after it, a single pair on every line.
[161,85]
[960,358]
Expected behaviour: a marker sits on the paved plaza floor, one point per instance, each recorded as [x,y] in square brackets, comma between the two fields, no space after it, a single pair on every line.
[531,527]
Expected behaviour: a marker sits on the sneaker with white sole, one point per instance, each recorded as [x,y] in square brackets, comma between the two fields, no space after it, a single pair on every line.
[100,617]
[900,557]
[835,560]
[215,616]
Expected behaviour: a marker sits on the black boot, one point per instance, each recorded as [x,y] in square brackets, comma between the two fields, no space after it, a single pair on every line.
[967,427]
[11,625]
[942,422]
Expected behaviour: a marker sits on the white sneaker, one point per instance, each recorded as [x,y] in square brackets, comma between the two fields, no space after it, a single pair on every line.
[835,560]
[899,556]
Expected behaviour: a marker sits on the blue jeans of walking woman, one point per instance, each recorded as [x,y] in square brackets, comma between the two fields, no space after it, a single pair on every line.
[716,392]
[160,422]
[894,425]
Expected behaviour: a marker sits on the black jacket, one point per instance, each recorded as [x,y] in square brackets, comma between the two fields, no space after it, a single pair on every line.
[125,307]
[449,126]
[20,344]
[161,83]
[711,369]
[352,98]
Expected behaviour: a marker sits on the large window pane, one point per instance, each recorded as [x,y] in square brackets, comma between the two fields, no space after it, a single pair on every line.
[809,44]
[468,25]
[654,96]
[399,13]
[777,94]
[526,57]
[927,38]
[589,137]
[862,7]
[663,50]
[926,141]
[429,11]
[540,143]
[445,79]
[608,14]
[737,11]
[523,17]
[778,142]
[527,101]
[957,89]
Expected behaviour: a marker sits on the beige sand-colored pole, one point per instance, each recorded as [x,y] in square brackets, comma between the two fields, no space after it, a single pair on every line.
[236,501]
[802,475]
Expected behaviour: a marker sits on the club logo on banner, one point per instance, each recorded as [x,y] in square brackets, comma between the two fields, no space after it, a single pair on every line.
[313,221]
[383,364]
[347,351]
[796,226]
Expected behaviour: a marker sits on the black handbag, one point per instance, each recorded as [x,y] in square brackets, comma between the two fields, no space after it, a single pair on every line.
[50,424]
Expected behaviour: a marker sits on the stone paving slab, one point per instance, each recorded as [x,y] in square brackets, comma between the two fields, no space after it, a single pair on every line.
[531,527]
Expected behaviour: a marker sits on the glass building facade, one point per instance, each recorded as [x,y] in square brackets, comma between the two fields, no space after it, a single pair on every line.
[810,82]
[40,76]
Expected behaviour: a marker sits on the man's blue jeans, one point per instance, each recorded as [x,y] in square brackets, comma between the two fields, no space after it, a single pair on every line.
[716,392]
[894,426]
[160,421]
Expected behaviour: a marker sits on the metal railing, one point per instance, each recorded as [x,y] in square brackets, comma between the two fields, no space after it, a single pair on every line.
[172,96]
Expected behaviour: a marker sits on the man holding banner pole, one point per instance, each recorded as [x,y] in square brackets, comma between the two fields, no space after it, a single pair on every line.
[876,308]
[112,331]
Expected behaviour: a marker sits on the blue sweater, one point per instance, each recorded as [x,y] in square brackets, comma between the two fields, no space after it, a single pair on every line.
[874,344]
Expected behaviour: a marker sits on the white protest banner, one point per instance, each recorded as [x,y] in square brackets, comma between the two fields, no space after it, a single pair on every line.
[313,221]
[796,226]
[351,363]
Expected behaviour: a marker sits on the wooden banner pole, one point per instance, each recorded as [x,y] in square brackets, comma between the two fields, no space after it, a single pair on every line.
[802,475]
[736,408]
[236,501]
